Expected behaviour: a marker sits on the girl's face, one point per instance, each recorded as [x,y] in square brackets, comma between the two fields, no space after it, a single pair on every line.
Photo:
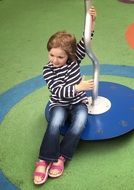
[57,57]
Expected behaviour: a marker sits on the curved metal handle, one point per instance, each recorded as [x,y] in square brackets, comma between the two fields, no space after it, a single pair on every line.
[95,62]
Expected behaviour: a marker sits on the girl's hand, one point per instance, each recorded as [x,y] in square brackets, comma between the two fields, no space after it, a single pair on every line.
[93,13]
[84,85]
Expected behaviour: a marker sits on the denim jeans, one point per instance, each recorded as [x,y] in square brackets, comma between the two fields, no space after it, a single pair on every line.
[51,146]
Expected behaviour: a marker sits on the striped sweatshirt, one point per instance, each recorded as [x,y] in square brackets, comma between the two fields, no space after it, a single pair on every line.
[61,81]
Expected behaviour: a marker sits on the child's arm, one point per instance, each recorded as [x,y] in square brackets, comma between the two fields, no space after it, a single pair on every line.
[57,87]
[85,85]
[80,52]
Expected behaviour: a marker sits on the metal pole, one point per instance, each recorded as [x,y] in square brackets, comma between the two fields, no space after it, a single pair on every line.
[95,62]
[97,104]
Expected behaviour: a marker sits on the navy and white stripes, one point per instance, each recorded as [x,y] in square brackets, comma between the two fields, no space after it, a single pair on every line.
[61,81]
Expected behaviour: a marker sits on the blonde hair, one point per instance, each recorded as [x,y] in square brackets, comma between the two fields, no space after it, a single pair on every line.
[65,41]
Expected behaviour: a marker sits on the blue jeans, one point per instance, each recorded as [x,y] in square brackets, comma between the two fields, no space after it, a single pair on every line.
[51,147]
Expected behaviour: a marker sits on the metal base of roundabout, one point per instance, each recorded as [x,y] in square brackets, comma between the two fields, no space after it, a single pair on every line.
[118,120]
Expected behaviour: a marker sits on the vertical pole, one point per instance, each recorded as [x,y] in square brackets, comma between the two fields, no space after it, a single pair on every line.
[87,38]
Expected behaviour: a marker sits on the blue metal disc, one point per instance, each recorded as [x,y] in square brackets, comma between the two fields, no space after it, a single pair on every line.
[118,120]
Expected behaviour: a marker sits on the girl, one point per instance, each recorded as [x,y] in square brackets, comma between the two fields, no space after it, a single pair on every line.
[68,100]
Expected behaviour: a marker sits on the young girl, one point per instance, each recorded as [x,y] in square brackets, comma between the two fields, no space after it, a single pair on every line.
[68,100]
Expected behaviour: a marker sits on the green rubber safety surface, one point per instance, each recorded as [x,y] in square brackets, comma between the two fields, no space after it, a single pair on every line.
[25,27]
